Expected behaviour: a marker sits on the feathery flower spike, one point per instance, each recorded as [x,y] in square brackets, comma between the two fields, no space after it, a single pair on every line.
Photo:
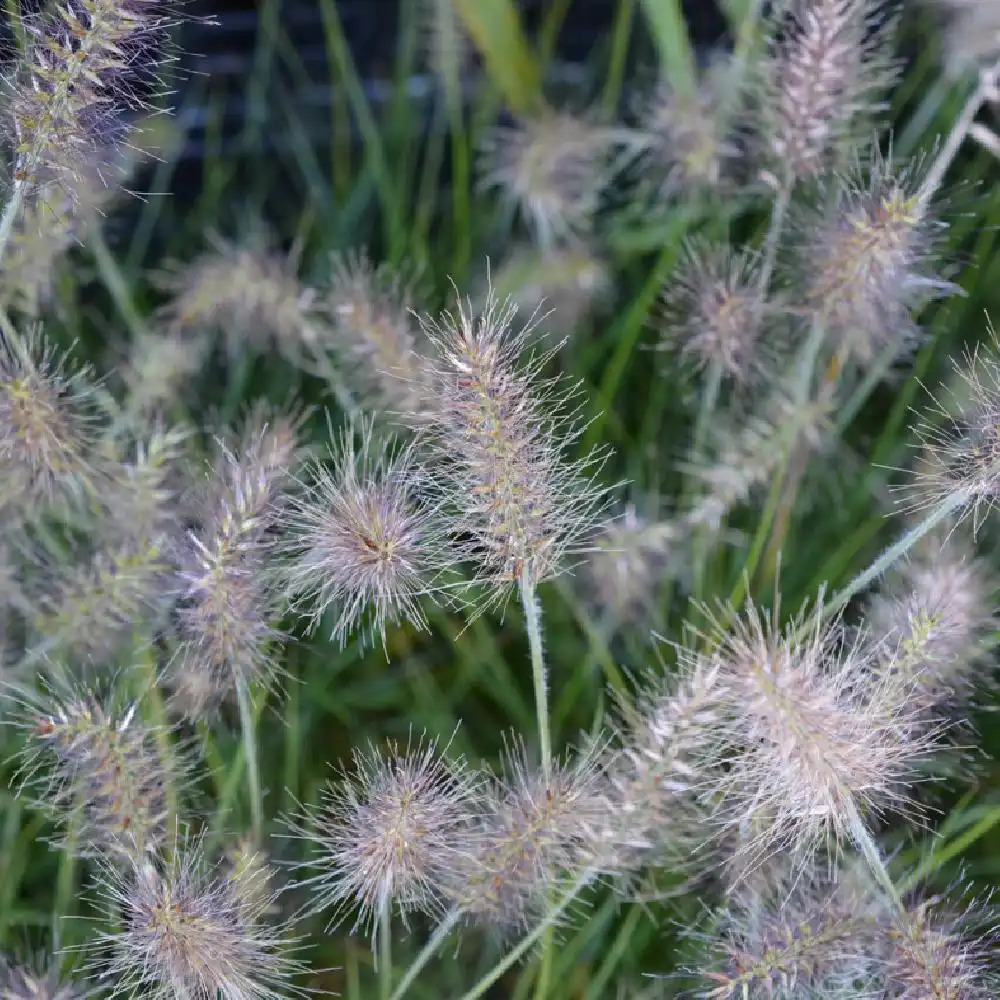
[816,744]
[359,538]
[516,506]
[389,835]
[532,836]
[825,78]
[94,764]
[190,929]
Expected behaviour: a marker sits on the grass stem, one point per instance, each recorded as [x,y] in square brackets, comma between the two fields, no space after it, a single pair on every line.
[533,626]
[247,729]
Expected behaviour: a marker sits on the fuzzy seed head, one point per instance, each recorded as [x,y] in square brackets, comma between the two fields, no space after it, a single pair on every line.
[390,834]
[445,47]
[622,577]
[84,65]
[814,743]
[658,773]
[47,424]
[249,293]
[157,370]
[936,614]
[533,834]
[552,167]
[516,506]
[367,307]
[808,939]
[972,34]
[712,311]
[193,930]
[39,980]
[359,539]
[825,78]
[92,606]
[91,610]
[684,138]
[93,763]
[569,282]
[935,952]
[227,601]
[959,460]
[866,257]
[748,448]
[276,434]
[50,224]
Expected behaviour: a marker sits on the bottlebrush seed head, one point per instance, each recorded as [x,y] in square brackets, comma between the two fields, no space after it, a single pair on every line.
[227,601]
[85,64]
[276,434]
[815,744]
[92,762]
[368,310]
[552,166]
[685,140]
[959,437]
[747,447]
[191,929]
[933,621]
[532,835]
[825,78]
[972,34]
[92,609]
[569,282]
[810,936]
[39,979]
[712,311]
[622,578]
[157,369]
[47,424]
[658,773]
[444,46]
[360,539]
[941,946]
[866,253]
[389,834]
[498,432]
[91,604]
[248,292]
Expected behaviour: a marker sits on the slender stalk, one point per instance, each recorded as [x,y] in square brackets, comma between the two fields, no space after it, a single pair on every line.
[544,976]
[152,697]
[707,406]
[742,586]
[873,857]
[11,212]
[533,626]
[65,883]
[896,551]
[706,411]
[985,90]
[114,280]
[798,456]
[428,951]
[385,952]
[779,213]
[250,751]
[527,943]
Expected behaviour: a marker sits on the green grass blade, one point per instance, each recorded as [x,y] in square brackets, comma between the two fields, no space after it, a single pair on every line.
[495,27]
[669,29]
